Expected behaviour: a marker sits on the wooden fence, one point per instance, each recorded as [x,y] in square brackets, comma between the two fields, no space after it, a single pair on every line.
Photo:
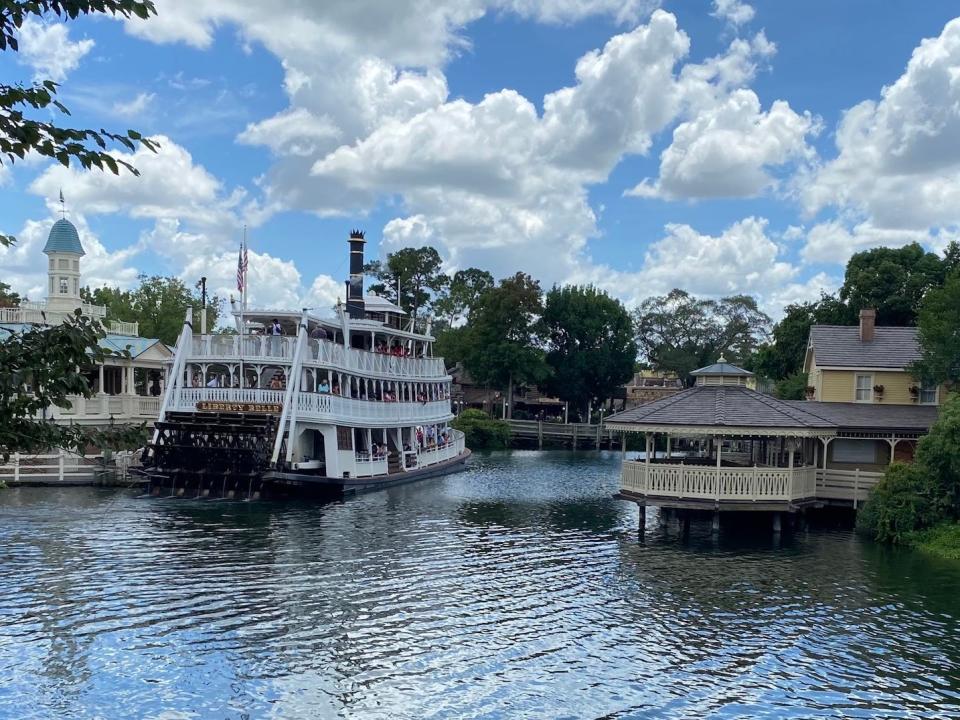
[572,434]
[65,468]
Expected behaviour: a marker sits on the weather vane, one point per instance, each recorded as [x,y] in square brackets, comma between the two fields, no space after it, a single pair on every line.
[63,206]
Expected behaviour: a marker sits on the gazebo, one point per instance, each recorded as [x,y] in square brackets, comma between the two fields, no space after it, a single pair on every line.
[722,446]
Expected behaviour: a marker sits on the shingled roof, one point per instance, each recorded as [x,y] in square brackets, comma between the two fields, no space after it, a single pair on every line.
[720,406]
[730,406]
[840,346]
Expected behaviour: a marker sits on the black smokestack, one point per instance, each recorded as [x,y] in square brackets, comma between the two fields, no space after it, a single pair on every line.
[355,305]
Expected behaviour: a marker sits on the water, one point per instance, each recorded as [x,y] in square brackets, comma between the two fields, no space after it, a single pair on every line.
[515,589]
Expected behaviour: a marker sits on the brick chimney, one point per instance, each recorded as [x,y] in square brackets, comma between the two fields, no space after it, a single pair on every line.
[868,321]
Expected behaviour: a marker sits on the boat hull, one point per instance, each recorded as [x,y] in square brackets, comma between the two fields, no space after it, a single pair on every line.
[303,484]
[276,485]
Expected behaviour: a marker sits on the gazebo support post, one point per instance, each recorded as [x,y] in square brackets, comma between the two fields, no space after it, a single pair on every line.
[715,527]
[642,507]
[776,523]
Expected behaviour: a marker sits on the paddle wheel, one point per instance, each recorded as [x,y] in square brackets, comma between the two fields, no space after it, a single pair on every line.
[204,454]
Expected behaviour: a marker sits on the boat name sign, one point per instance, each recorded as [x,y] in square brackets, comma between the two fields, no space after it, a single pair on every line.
[268,408]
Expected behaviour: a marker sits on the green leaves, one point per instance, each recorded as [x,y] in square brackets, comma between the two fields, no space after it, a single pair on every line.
[590,344]
[939,325]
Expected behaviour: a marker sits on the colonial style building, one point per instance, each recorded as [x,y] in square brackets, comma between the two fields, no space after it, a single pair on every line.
[127,389]
[866,364]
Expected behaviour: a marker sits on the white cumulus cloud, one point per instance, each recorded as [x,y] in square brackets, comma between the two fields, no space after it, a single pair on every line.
[48,49]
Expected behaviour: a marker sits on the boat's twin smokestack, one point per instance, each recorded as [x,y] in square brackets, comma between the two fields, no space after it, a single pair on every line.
[355,304]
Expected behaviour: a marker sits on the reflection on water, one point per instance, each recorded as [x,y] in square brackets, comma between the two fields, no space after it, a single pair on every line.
[515,589]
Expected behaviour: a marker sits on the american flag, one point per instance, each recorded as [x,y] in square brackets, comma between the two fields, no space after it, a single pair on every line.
[241,268]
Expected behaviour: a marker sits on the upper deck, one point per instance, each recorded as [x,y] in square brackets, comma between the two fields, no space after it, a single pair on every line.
[265,349]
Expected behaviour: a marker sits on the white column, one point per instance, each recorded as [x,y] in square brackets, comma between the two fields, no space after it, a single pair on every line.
[100,388]
[719,442]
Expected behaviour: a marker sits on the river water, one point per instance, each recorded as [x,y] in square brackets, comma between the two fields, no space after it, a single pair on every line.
[515,589]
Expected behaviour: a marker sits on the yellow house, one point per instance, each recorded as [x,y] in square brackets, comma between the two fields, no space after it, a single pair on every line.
[866,364]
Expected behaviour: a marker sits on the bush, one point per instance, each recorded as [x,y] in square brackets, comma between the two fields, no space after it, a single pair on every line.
[481,431]
[942,541]
[897,506]
[915,497]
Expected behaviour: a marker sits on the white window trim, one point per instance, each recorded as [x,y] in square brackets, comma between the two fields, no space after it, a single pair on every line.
[936,396]
[859,375]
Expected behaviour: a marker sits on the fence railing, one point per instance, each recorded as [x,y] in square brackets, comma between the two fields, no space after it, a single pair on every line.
[725,483]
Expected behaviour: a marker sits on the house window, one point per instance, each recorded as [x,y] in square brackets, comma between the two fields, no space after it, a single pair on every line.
[928,394]
[864,388]
[76,289]
[64,264]
[63,286]
[855,451]
[76,265]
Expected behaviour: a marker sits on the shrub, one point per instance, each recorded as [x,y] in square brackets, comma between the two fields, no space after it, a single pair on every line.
[897,506]
[919,496]
[482,432]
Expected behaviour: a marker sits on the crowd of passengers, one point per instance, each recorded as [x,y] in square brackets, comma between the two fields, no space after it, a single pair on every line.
[428,439]
[324,387]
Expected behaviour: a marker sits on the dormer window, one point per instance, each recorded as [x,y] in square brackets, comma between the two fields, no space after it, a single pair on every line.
[864,388]
[928,394]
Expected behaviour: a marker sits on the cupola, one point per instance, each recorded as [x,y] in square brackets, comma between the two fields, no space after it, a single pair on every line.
[722,373]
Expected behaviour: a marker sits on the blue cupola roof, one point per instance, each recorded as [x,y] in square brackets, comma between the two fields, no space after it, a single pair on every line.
[63,238]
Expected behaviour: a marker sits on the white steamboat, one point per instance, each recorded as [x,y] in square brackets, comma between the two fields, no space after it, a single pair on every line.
[299,404]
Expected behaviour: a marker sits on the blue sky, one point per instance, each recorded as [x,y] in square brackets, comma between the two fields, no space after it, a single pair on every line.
[719,146]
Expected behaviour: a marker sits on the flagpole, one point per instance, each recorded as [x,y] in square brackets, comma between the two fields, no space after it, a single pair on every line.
[243,305]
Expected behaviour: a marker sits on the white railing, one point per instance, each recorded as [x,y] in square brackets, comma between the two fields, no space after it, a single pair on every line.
[707,482]
[325,406]
[188,397]
[319,353]
[37,312]
[132,407]
[122,327]
[366,466]
[846,484]
[448,451]
[61,466]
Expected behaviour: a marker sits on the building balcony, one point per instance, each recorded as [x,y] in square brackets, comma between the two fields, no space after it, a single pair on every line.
[121,409]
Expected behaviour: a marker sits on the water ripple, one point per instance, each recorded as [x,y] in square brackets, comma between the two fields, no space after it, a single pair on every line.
[516,589]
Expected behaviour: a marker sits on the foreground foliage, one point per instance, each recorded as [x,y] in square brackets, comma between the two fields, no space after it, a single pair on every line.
[41,368]
[481,431]
[921,495]
[941,540]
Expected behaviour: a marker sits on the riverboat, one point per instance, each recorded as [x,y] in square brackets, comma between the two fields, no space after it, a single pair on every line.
[294,404]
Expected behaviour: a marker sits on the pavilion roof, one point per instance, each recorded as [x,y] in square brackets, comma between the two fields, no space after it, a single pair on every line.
[740,410]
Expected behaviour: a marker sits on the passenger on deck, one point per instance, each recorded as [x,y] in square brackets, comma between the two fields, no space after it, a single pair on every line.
[335,390]
[324,387]
[319,333]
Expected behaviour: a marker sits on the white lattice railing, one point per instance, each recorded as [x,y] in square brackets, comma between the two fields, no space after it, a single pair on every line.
[450,450]
[706,482]
[121,407]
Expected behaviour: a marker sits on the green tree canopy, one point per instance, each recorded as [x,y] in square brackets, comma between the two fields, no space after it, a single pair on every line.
[590,345]
[418,273]
[783,357]
[158,304]
[503,341]
[462,294]
[8,298]
[679,332]
[891,280]
[939,330]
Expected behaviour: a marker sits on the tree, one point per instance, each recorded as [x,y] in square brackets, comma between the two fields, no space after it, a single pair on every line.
[891,280]
[39,369]
[504,336]
[783,357]
[939,331]
[159,305]
[590,345]
[19,134]
[679,333]
[463,294]
[418,273]
[8,298]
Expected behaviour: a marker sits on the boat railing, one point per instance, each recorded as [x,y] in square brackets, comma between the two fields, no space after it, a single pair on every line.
[323,406]
[318,353]
[446,451]
[366,465]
